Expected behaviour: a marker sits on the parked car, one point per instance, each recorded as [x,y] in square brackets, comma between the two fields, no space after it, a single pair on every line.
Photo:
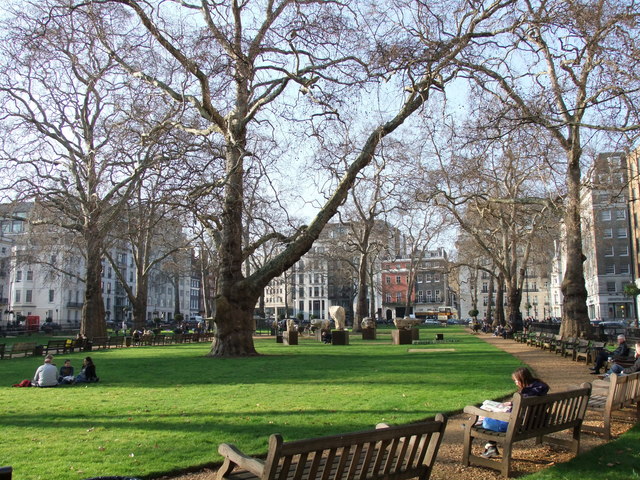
[50,327]
[430,321]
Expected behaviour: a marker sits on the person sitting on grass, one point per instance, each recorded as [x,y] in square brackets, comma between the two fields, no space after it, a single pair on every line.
[528,386]
[47,374]
[88,372]
[66,373]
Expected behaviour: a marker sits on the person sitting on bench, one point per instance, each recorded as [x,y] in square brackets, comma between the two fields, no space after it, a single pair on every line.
[603,355]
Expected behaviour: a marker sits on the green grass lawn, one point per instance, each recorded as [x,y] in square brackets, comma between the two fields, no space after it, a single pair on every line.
[166,409]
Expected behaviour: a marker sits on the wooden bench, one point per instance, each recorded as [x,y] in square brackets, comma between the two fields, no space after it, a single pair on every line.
[57,346]
[115,341]
[591,352]
[533,338]
[385,453]
[582,350]
[569,347]
[623,391]
[531,417]
[25,348]
[2,350]
[99,342]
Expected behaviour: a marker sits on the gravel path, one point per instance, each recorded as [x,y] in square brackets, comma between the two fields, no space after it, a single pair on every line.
[559,373]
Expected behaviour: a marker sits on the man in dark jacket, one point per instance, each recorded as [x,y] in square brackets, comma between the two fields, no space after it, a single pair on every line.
[603,355]
[620,370]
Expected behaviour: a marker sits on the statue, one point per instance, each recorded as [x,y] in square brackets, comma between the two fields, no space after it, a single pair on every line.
[338,315]
[406,323]
[368,322]
[291,325]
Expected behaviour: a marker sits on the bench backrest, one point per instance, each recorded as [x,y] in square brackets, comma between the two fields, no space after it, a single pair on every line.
[535,416]
[23,346]
[623,390]
[399,452]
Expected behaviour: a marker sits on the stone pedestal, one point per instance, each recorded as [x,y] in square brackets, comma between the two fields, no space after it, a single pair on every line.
[368,333]
[439,337]
[402,337]
[415,334]
[339,337]
[279,338]
[290,338]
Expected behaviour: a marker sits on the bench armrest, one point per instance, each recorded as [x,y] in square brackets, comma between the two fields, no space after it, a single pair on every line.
[478,412]
[234,457]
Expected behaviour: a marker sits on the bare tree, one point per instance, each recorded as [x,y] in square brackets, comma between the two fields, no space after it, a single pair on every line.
[66,118]
[568,68]
[243,66]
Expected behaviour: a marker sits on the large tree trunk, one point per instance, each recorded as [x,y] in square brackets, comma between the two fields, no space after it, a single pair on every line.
[93,322]
[490,299]
[139,305]
[514,295]
[499,316]
[362,305]
[575,316]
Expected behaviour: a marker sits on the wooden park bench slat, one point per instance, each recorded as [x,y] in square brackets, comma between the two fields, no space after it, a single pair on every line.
[400,452]
[624,391]
[531,417]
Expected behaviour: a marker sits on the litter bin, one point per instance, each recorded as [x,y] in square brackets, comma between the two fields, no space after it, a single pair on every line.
[439,337]
[38,350]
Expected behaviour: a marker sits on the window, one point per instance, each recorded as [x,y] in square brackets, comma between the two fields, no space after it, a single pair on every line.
[611,287]
[419,278]
[420,293]
[17,297]
[605,215]
[429,277]
[624,251]
[388,280]
[624,268]
[622,233]
[436,277]
[485,287]
[19,276]
[399,297]
[28,297]
[29,276]
[608,233]
[429,295]
[398,281]
[608,251]
[621,214]
[610,268]
[437,295]
[388,298]
[52,295]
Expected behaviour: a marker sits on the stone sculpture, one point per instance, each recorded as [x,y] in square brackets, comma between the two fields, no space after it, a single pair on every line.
[338,315]
[406,323]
